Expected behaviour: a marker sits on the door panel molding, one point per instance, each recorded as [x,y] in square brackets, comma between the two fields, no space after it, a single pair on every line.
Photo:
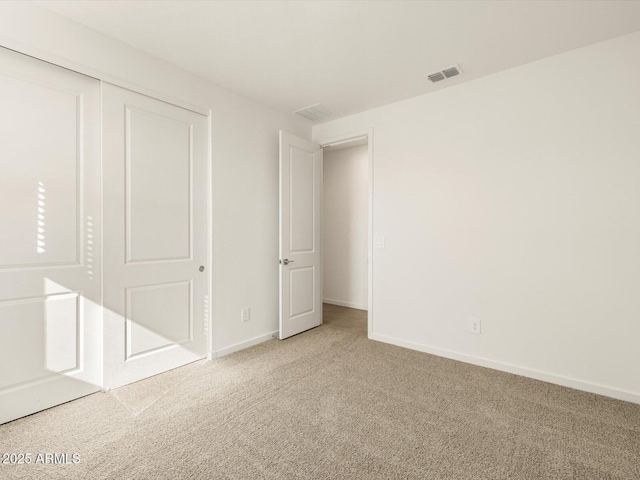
[161,206]
[132,323]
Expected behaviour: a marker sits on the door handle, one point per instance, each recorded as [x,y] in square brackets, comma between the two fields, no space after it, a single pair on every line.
[286,261]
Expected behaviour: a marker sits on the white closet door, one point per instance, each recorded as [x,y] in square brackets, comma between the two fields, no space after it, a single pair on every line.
[50,317]
[155,222]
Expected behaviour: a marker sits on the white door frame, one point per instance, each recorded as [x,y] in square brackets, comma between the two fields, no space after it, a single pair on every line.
[328,141]
[209,305]
[55,59]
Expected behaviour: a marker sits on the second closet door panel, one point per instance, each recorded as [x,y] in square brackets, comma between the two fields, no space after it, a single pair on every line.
[155,205]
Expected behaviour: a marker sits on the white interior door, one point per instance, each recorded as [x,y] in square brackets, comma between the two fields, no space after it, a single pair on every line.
[50,314]
[300,235]
[155,223]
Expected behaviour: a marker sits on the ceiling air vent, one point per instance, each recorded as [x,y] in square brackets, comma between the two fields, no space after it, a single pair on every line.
[436,77]
[446,73]
[315,113]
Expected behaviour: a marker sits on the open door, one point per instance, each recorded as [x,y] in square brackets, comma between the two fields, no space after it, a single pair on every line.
[300,235]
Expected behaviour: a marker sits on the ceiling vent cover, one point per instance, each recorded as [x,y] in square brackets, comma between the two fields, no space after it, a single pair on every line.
[315,113]
[446,73]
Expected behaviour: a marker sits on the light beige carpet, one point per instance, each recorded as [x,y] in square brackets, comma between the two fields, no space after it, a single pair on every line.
[330,404]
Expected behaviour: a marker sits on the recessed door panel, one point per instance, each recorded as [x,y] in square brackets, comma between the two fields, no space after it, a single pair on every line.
[41,335]
[302,290]
[39,176]
[301,205]
[158,181]
[50,250]
[62,332]
[158,316]
[155,181]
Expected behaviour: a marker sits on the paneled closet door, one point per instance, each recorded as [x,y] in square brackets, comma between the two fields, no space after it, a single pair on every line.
[50,270]
[155,222]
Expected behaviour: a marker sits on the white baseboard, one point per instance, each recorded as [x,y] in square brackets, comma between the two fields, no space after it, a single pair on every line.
[510,368]
[340,303]
[242,345]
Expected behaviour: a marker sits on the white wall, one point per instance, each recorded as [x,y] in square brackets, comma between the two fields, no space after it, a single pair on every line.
[345,217]
[515,198]
[244,151]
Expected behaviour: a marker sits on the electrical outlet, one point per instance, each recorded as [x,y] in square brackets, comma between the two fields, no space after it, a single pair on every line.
[379,242]
[474,326]
[246,314]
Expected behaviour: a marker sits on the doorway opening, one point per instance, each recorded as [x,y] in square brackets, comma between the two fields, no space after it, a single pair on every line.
[345,227]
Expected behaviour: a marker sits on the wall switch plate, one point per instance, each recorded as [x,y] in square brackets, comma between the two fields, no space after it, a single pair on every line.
[246,314]
[475,326]
[379,242]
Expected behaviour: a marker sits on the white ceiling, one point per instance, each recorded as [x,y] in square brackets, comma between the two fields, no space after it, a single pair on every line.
[350,56]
